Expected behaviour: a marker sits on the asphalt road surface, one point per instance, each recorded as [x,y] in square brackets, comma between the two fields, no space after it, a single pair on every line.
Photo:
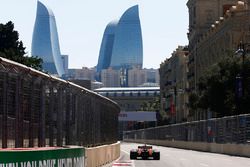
[171,157]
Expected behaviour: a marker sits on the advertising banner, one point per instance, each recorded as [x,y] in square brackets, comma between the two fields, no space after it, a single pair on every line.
[56,157]
[137,116]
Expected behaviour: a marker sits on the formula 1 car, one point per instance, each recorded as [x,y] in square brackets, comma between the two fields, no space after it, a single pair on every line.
[144,152]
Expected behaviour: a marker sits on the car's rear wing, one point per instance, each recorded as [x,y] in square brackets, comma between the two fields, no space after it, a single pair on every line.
[144,147]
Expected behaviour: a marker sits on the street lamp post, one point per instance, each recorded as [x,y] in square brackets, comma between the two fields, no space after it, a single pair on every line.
[240,83]
[241,77]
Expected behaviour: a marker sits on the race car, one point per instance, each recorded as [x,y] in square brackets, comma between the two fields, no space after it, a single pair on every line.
[144,152]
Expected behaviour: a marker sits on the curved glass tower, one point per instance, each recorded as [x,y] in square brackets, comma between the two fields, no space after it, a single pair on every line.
[107,46]
[122,43]
[45,43]
[127,49]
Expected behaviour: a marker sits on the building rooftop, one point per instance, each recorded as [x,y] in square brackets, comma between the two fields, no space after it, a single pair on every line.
[127,89]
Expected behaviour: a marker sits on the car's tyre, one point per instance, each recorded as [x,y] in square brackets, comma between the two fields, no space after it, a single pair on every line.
[133,155]
[157,155]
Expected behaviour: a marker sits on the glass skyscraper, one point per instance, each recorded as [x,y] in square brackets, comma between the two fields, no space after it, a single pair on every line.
[121,46]
[107,46]
[45,43]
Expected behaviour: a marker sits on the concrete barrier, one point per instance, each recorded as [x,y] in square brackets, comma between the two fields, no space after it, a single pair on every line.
[230,149]
[102,155]
[42,156]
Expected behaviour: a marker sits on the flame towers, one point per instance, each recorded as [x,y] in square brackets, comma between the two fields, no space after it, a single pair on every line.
[45,43]
[122,43]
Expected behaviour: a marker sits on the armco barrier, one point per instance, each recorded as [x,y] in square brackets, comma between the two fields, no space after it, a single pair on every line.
[102,155]
[230,149]
[42,157]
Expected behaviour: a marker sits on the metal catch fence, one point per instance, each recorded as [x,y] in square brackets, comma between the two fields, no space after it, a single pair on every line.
[37,109]
[233,129]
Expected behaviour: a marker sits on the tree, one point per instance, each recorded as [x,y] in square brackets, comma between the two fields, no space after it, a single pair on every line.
[13,49]
[217,88]
[154,105]
[193,103]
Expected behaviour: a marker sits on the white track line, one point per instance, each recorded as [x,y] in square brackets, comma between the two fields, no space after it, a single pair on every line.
[120,162]
[125,152]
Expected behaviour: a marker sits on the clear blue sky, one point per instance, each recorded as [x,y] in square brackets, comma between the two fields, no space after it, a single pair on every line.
[81,24]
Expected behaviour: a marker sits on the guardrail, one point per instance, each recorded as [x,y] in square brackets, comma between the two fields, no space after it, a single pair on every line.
[233,129]
[37,109]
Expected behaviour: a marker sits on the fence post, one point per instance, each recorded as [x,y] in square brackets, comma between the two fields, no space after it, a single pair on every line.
[31,110]
[78,119]
[5,111]
[68,111]
[59,116]
[18,113]
[74,119]
[41,134]
[93,120]
[51,114]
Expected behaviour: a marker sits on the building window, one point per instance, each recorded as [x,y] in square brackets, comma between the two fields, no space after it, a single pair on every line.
[194,12]
[226,7]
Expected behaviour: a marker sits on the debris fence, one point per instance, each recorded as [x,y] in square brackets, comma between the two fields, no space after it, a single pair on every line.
[38,110]
[233,129]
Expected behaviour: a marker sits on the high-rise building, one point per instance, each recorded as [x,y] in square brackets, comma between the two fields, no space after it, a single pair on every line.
[45,42]
[65,59]
[121,47]
[136,77]
[152,75]
[143,77]
[107,46]
[127,47]
[110,78]
[82,74]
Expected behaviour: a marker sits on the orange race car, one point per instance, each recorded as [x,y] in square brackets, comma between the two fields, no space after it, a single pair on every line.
[145,152]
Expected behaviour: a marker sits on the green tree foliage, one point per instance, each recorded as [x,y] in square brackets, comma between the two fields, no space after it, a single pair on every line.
[193,103]
[13,49]
[217,88]
[153,105]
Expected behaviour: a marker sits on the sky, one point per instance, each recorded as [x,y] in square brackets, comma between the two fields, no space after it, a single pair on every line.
[81,24]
